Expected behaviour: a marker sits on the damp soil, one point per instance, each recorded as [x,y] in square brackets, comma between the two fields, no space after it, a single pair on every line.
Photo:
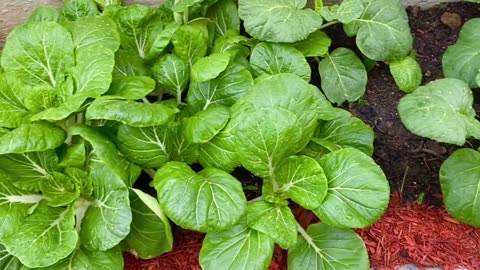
[416,228]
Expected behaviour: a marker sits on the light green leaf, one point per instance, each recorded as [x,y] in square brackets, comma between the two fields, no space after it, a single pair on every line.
[7,261]
[60,190]
[212,200]
[209,67]
[182,5]
[91,30]
[82,258]
[28,170]
[150,234]
[172,74]
[441,110]
[108,3]
[276,221]
[189,43]
[129,64]
[46,236]
[82,181]
[75,9]
[316,44]
[107,219]
[302,179]
[224,15]
[462,60]
[131,87]
[278,21]
[35,137]
[179,148]
[407,73]
[219,152]
[14,112]
[382,31]
[346,12]
[130,112]
[204,125]
[272,58]
[44,14]
[358,191]
[234,44]
[74,155]
[343,74]
[40,53]
[328,248]
[238,248]
[459,180]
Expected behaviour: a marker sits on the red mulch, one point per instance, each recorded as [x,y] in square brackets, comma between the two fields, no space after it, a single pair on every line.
[419,234]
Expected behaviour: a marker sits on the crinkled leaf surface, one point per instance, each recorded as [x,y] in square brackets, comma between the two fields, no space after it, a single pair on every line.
[46,236]
[150,233]
[224,15]
[128,64]
[407,73]
[316,44]
[358,191]
[276,221]
[219,152]
[382,31]
[44,14]
[343,74]
[345,12]
[172,74]
[82,258]
[60,190]
[238,248]
[272,58]
[278,20]
[131,87]
[204,125]
[459,180]
[212,200]
[442,111]
[12,96]
[328,248]
[462,60]
[302,179]
[210,67]
[75,9]
[100,30]
[190,43]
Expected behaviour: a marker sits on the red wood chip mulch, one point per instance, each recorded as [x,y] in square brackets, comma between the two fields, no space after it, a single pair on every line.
[412,233]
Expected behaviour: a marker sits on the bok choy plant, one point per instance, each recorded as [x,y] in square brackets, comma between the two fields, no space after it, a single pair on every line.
[95,93]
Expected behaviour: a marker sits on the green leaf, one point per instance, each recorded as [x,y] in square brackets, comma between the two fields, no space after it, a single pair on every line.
[328,248]
[316,44]
[204,125]
[82,181]
[209,67]
[40,53]
[212,200]
[46,236]
[74,155]
[358,191]
[189,43]
[14,112]
[382,31]
[234,44]
[278,21]
[219,152]
[343,74]
[108,3]
[131,87]
[7,261]
[75,9]
[82,258]
[172,74]
[462,60]
[130,112]
[302,179]
[441,110]
[459,180]
[182,5]
[35,137]
[44,14]
[128,64]
[28,170]
[276,221]
[59,190]
[238,248]
[407,73]
[91,30]
[107,219]
[271,58]
[224,15]
[150,234]
[346,12]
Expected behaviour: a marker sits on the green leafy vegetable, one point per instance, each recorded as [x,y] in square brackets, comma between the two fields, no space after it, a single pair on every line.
[407,73]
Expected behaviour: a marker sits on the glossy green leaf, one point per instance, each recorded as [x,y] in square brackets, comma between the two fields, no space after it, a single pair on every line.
[99,30]
[74,155]
[302,179]
[358,191]
[172,74]
[41,53]
[212,200]
[131,87]
[150,234]
[316,44]
[462,60]
[459,180]
[219,152]
[182,5]
[327,248]
[345,12]
[238,248]
[278,21]
[35,137]
[59,190]
[14,111]
[45,237]
[407,73]
[128,64]
[189,43]
[204,125]
[382,31]
[272,58]
[130,112]
[442,111]
[224,15]
[273,220]
[82,258]
[7,261]
[75,9]
[44,14]
[82,181]
[343,74]
[233,43]
[209,67]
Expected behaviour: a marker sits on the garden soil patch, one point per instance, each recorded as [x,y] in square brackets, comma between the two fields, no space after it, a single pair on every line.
[416,228]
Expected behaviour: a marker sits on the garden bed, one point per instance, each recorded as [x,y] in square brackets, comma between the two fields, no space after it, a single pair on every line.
[416,229]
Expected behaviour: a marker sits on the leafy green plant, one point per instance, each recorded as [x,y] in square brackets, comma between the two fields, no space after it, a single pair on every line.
[96,93]
[443,111]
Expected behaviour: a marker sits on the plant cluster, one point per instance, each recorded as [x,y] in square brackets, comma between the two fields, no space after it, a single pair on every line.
[95,93]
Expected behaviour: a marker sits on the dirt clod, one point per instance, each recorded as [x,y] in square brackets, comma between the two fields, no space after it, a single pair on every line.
[452,20]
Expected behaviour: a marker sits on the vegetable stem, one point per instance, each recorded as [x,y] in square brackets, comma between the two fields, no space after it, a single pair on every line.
[328,24]
[150,172]
[307,237]
[256,199]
